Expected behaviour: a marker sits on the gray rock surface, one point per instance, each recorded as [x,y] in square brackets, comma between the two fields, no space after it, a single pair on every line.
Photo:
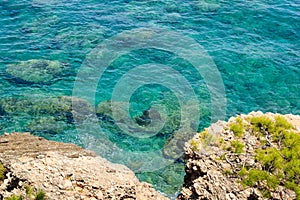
[65,171]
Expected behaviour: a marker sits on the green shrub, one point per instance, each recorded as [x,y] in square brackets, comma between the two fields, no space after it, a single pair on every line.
[237,127]
[295,187]
[206,138]
[14,197]
[31,194]
[281,126]
[222,157]
[242,172]
[266,193]
[29,191]
[255,176]
[194,145]
[262,123]
[280,160]
[40,195]
[281,122]
[237,147]
[228,172]
[220,142]
[2,171]
[270,159]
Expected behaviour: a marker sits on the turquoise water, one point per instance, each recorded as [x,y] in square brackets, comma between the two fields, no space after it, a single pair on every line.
[255,46]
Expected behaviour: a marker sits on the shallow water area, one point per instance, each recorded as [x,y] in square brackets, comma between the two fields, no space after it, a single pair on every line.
[254,46]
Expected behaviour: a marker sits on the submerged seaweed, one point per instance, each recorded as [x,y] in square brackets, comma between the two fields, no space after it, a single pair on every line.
[46,114]
[35,71]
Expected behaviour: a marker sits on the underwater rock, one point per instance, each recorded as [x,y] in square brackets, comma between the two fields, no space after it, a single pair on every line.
[47,125]
[28,105]
[35,71]
[114,112]
[59,107]
[133,38]
[148,117]
[104,108]
[208,5]
[169,177]
[175,8]
[144,119]
[163,118]
[79,108]
[115,117]
[42,114]
[174,147]
[112,109]
[80,37]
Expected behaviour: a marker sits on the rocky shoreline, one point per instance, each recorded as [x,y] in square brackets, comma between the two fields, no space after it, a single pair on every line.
[65,171]
[220,163]
[223,159]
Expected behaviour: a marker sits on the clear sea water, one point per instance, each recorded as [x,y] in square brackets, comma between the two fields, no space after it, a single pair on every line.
[255,46]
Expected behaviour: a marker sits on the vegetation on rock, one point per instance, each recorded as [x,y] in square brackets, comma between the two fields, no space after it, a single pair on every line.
[237,127]
[2,171]
[263,152]
[40,195]
[31,194]
[236,147]
[279,158]
[204,140]
[14,197]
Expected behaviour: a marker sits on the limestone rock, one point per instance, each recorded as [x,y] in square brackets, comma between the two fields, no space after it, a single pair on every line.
[52,167]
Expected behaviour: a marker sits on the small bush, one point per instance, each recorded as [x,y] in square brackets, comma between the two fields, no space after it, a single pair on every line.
[29,191]
[220,141]
[2,171]
[242,172]
[40,195]
[194,145]
[222,157]
[237,127]
[262,123]
[237,147]
[280,159]
[31,194]
[228,172]
[206,138]
[255,176]
[281,126]
[281,122]
[14,197]
[295,187]
[270,159]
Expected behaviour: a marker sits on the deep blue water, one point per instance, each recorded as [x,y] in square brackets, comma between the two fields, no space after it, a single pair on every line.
[254,45]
